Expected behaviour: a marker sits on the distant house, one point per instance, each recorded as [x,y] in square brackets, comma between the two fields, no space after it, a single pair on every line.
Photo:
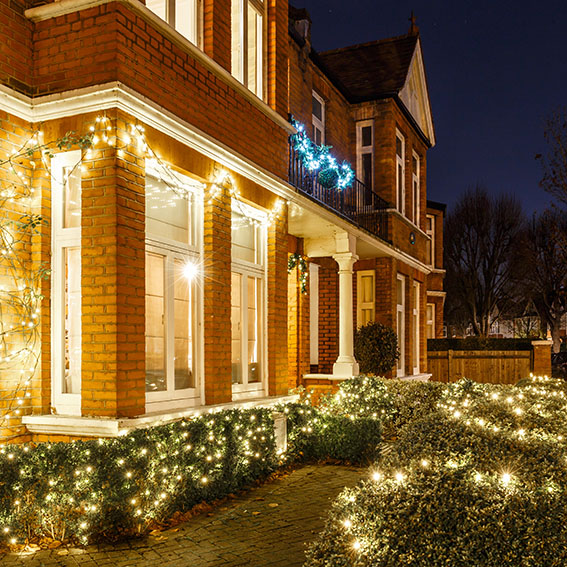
[198,257]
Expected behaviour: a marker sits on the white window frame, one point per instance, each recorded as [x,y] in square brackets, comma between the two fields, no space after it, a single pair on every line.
[196,35]
[416,188]
[313,313]
[319,124]
[363,150]
[252,269]
[260,7]
[363,306]
[431,233]
[400,162]
[416,334]
[430,321]
[401,329]
[61,239]
[172,250]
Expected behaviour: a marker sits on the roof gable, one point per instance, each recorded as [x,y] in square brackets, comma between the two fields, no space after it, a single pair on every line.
[415,96]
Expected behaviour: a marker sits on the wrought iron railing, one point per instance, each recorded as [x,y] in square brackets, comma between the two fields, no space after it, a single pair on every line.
[358,204]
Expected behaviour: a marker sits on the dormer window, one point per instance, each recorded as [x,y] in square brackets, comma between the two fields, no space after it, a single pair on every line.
[248,43]
[183,15]
[318,119]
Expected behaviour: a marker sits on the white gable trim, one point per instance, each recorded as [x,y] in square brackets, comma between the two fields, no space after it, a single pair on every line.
[425,122]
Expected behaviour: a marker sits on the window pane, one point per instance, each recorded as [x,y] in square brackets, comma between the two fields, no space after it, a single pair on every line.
[254,50]
[155,330]
[414,164]
[367,170]
[366,136]
[167,212]
[317,109]
[186,19]
[72,197]
[367,295]
[253,329]
[400,292]
[158,7]
[72,375]
[236,35]
[184,375]
[243,238]
[236,315]
[399,147]
[400,187]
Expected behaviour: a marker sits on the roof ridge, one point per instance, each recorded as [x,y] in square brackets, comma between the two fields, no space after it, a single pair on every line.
[368,44]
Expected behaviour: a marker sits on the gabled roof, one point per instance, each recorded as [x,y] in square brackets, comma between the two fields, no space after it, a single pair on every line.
[372,70]
[388,68]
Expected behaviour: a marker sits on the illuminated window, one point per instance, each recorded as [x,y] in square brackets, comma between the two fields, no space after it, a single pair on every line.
[318,119]
[366,293]
[430,323]
[415,183]
[430,231]
[401,322]
[247,300]
[183,15]
[66,270]
[365,156]
[247,17]
[173,290]
[400,173]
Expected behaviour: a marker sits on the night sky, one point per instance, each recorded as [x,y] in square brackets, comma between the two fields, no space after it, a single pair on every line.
[496,70]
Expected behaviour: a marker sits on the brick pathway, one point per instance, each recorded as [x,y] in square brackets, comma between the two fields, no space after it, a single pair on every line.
[267,527]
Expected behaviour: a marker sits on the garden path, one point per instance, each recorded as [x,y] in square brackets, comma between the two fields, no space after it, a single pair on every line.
[268,526]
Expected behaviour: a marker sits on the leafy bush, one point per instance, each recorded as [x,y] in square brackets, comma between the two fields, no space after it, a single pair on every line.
[480,481]
[86,489]
[376,348]
[314,434]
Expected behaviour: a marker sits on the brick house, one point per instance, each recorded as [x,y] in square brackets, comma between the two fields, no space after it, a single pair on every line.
[168,240]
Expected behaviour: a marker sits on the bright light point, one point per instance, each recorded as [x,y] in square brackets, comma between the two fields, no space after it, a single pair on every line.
[356,545]
[376,476]
[457,413]
[424,463]
[204,480]
[348,524]
[478,477]
[190,271]
[506,478]
[84,525]
[518,411]
[399,477]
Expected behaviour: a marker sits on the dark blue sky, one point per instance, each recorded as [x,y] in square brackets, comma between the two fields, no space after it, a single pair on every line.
[496,70]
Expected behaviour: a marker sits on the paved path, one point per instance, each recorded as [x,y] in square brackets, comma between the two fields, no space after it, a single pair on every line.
[267,527]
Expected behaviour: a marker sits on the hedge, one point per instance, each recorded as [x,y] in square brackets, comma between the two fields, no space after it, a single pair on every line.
[480,481]
[88,489]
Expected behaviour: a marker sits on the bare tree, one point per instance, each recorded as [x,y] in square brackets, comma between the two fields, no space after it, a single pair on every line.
[546,269]
[481,241]
[554,159]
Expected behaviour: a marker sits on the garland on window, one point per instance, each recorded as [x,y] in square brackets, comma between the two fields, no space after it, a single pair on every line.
[299,261]
[318,158]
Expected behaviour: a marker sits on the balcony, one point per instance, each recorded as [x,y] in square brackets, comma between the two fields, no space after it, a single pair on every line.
[359,204]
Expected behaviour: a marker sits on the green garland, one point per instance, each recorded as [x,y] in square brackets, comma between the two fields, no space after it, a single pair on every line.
[298,260]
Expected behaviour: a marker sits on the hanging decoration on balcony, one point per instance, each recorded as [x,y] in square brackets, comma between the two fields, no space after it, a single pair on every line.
[299,261]
[318,158]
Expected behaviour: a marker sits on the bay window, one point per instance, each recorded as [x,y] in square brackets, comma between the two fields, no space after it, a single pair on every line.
[66,282]
[173,291]
[247,300]
[247,42]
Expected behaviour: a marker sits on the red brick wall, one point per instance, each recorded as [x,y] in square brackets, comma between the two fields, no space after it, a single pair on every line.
[216,31]
[16,63]
[328,314]
[111,43]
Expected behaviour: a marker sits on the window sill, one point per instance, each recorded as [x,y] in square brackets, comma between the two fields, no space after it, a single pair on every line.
[109,427]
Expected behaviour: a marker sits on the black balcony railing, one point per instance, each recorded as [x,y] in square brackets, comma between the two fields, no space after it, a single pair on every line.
[358,204]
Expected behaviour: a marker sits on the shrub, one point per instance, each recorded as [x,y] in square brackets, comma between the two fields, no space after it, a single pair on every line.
[480,481]
[376,348]
[86,489]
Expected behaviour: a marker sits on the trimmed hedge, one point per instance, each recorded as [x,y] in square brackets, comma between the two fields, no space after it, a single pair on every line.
[88,489]
[481,481]
[478,343]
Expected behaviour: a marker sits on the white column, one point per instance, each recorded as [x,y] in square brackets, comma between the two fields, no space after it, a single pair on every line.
[346,365]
